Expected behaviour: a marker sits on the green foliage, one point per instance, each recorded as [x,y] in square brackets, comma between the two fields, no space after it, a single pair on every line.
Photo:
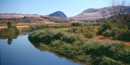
[106,61]
[76,47]
[85,31]
[38,26]
[50,35]
[76,24]
[106,26]
[108,33]
[9,24]
[114,29]
[125,36]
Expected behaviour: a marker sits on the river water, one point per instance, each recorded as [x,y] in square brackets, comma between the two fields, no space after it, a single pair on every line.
[20,51]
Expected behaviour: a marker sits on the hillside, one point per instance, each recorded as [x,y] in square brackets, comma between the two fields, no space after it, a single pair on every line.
[16,15]
[34,20]
[93,14]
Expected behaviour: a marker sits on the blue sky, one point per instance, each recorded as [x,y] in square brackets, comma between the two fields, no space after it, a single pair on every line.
[45,7]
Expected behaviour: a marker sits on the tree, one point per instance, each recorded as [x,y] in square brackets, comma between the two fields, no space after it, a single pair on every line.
[117,9]
[103,13]
[9,24]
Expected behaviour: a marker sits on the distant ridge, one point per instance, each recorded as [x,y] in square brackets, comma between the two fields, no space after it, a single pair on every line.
[17,15]
[93,14]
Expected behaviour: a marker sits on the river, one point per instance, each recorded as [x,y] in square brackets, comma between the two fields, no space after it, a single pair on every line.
[20,51]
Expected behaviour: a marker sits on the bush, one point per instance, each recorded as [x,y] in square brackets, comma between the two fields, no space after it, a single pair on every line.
[114,50]
[85,31]
[124,36]
[50,35]
[9,24]
[38,26]
[108,33]
[89,34]
[111,29]
[107,25]
[76,24]
[106,61]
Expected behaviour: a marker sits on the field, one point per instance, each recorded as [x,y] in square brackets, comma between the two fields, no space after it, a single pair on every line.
[64,27]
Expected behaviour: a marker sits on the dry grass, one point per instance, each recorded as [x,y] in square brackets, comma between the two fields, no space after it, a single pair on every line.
[64,29]
[127,43]
[19,27]
[100,37]
[2,27]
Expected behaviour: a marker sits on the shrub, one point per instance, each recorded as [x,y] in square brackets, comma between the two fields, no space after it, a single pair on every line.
[124,36]
[50,35]
[85,31]
[9,24]
[76,24]
[107,25]
[38,26]
[89,34]
[108,33]
[106,61]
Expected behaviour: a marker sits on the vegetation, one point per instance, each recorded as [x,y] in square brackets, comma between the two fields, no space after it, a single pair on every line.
[87,32]
[10,32]
[76,24]
[9,24]
[77,42]
[75,46]
[113,29]
[38,26]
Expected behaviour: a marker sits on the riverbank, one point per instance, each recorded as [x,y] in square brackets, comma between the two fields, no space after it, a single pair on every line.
[76,47]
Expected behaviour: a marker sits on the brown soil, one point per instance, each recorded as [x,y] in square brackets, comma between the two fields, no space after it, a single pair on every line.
[127,43]
[109,39]
[102,37]
[2,27]
[64,29]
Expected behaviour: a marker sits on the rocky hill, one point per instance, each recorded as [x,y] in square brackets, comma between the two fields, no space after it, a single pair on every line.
[58,14]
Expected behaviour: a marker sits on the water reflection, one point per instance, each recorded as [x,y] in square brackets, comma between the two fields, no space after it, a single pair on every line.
[10,41]
[12,35]
[43,47]
[22,52]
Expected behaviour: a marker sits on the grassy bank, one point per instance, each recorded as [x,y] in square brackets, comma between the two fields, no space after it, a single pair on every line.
[79,48]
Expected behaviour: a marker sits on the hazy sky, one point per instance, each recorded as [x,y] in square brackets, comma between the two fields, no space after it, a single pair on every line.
[45,7]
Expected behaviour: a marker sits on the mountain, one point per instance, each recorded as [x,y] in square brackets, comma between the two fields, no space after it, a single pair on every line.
[58,14]
[57,19]
[30,18]
[16,15]
[93,14]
